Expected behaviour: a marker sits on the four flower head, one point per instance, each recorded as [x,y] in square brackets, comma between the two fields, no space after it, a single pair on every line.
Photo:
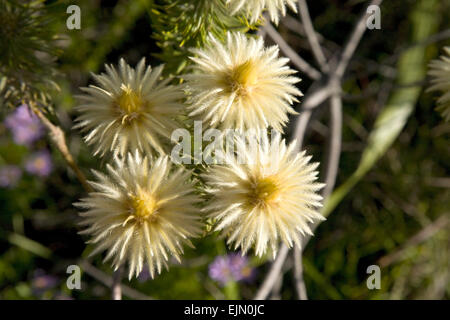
[145,209]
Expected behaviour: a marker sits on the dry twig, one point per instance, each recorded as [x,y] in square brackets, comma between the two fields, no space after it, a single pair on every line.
[108,281]
[59,139]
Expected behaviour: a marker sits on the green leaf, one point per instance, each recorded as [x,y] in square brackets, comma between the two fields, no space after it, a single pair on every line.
[30,245]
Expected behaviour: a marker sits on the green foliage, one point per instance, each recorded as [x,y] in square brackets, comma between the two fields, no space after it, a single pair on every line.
[181,25]
[116,31]
[27,50]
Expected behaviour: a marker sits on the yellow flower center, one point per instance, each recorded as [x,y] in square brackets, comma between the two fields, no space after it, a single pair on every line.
[130,103]
[241,78]
[263,192]
[144,206]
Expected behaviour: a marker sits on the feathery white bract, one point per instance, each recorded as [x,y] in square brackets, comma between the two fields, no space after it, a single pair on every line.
[130,110]
[272,196]
[440,73]
[141,211]
[241,85]
[254,8]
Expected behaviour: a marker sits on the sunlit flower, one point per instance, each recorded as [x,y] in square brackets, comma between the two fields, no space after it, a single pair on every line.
[272,196]
[131,109]
[440,74]
[254,8]
[241,85]
[141,212]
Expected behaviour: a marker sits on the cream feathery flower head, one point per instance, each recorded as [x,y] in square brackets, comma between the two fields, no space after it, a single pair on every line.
[141,211]
[130,109]
[254,8]
[241,85]
[440,73]
[270,194]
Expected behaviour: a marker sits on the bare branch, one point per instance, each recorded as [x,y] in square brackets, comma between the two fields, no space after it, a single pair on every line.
[335,145]
[58,138]
[352,43]
[298,274]
[297,27]
[312,36]
[438,182]
[312,100]
[116,288]
[329,46]
[272,276]
[108,281]
[336,127]
[300,127]
[298,61]
[331,173]
[424,234]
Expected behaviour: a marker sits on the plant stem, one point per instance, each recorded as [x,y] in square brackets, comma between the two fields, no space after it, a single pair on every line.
[59,139]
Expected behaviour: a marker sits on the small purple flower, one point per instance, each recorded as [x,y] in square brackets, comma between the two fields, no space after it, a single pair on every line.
[42,282]
[39,163]
[240,267]
[9,176]
[24,125]
[231,267]
[219,270]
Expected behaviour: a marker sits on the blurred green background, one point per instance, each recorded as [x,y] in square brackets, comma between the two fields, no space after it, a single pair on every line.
[395,217]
